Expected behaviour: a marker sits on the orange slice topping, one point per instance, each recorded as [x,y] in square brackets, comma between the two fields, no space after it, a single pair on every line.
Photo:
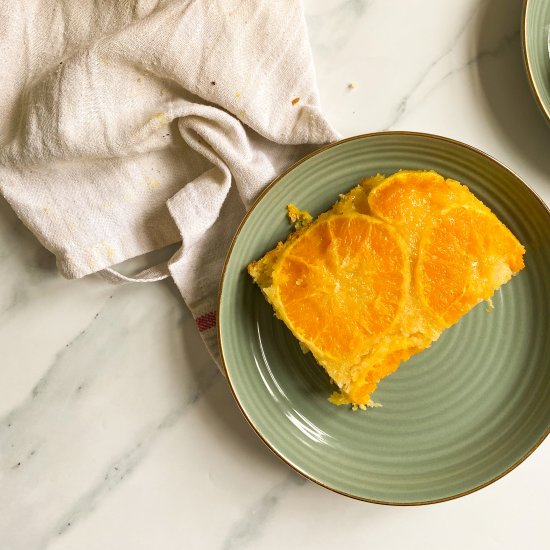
[464,256]
[343,283]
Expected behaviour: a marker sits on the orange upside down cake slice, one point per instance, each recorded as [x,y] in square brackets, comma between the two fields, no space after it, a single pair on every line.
[383,273]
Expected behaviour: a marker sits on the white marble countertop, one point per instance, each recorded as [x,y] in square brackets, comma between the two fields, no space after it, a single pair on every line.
[116,430]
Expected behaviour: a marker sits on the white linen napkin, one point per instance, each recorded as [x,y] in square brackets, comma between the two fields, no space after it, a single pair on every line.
[128,126]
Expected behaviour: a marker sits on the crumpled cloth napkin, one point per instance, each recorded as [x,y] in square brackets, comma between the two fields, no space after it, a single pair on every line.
[128,126]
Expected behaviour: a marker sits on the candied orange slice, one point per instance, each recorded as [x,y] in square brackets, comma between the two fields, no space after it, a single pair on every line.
[342,284]
[463,257]
[379,276]
[409,198]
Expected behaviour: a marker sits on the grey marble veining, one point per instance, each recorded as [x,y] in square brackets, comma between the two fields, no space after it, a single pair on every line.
[331,24]
[62,402]
[244,532]
[453,42]
[124,465]
[117,430]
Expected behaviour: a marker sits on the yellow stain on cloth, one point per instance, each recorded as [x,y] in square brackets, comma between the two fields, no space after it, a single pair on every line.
[159,119]
[152,183]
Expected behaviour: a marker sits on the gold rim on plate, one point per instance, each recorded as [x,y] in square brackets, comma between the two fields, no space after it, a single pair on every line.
[528,68]
[220,347]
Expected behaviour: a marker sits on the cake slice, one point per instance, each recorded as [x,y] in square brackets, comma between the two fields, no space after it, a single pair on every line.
[379,276]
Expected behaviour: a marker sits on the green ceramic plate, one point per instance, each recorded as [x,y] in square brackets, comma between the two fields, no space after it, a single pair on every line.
[455,417]
[536,21]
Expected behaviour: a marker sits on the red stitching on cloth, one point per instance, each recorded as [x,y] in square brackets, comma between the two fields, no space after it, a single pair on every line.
[206,321]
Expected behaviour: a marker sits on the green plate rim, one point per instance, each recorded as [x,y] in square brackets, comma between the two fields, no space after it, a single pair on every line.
[219,329]
[528,65]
